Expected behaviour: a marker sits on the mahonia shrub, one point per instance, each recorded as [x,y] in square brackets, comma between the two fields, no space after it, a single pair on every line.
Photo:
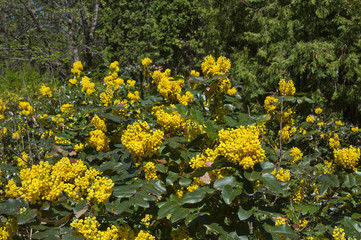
[175,157]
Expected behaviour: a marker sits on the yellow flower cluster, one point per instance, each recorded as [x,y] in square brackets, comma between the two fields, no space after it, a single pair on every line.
[77,68]
[170,88]
[125,233]
[8,229]
[26,108]
[282,175]
[339,123]
[3,131]
[279,220]
[2,106]
[146,220]
[354,129]
[88,86]
[338,234]
[11,190]
[287,132]
[114,66]
[98,123]
[98,140]
[241,146]
[141,141]
[72,82]
[143,235]
[150,171]
[62,141]
[296,154]
[194,73]
[347,157]
[107,97]
[23,161]
[133,97]
[270,104]
[45,182]
[46,91]
[318,111]
[124,107]
[286,88]
[67,108]
[170,122]
[131,83]
[89,229]
[334,142]
[146,62]
[211,68]
[310,119]
[181,233]
[78,147]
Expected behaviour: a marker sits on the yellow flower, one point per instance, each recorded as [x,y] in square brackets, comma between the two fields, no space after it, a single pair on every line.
[347,157]
[88,86]
[114,66]
[310,119]
[270,104]
[26,108]
[99,123]
[2,106]
[131,83]
[98,140]
[241,146]
[320,124]
[282,175]
[339,123]
[77,68]
[11,190]
[133,97]
[78,147]
[170,122]
[46,91]
[150,171]
[318,111]
[141,141]
[354,129]
[194,73]
[338,234]
[146,62]
[72,82]
[296,154]
[286,88]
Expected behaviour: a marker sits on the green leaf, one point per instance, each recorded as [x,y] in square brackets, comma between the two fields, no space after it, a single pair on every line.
[229,193]
[26,216]
[71,236]
[10,207]
[330,179]
[183,182]
[211,130]
[112,117]
[350,180]
[172,177]
[271,182]
[284,230]
[244,120]
[138,200]
[252,176]
[230,121]
[220,183]
[47,234]
[179,214]
[124,191]
[167,209]
[193,197]
[243,214]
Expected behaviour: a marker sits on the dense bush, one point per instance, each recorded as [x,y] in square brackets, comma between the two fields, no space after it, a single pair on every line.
[175,157]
